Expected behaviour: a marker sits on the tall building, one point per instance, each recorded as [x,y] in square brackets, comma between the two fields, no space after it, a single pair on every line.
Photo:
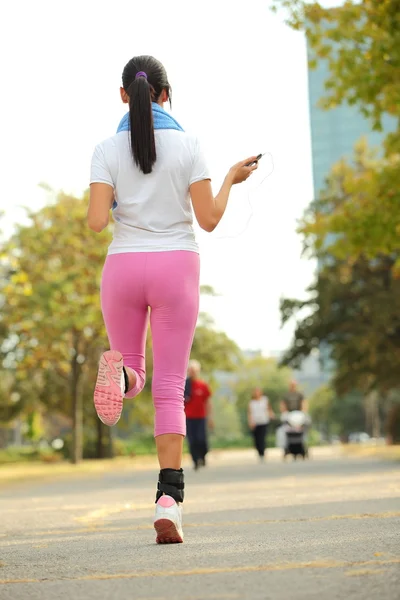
[334,132]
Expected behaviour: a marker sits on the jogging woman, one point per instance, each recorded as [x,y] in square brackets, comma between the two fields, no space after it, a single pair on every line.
[147,173]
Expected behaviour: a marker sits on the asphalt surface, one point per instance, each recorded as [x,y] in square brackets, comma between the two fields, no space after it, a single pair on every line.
[323,529]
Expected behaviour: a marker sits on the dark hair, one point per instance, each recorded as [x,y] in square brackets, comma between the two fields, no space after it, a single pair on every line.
[142,91]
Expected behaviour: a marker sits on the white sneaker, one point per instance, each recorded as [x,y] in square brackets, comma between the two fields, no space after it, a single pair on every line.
[168,521]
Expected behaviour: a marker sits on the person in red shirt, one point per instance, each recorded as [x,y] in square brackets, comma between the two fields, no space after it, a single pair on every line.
[198,414]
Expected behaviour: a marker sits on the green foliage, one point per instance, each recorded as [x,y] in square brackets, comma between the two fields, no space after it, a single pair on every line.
[226,420]
[358,213]
[91,444]
[353,227]
[215,350]
[53,331]
[16,454]
[50,291]
[354,303]
[335,415]
[360,41]
[207,290]
[353,310]
[35,429]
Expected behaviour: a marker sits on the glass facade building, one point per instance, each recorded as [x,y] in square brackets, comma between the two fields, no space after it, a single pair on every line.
[334,132]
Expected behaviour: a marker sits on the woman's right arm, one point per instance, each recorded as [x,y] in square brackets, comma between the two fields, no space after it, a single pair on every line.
[208,209]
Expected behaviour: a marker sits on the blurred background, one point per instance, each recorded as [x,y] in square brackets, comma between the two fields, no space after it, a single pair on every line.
[302,279]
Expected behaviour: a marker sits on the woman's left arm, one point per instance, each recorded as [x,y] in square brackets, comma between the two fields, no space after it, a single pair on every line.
[100,203]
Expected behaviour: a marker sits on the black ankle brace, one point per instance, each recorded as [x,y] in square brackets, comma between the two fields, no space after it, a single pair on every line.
[171,483]
[126,378]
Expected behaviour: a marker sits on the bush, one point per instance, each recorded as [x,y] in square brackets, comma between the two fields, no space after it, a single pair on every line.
[16,454]
[140,445]
[226,420]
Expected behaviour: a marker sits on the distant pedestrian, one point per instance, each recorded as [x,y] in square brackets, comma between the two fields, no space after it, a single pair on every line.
[259,415]
[293,399]
[198,414]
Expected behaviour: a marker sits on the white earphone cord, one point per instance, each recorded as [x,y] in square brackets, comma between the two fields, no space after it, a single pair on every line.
[231,237]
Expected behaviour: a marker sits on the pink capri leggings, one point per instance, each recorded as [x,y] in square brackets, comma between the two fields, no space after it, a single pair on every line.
[168,284]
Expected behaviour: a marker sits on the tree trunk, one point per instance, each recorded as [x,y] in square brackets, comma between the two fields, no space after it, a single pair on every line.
[77,411]
[110,445]
[376,418]
[372,406]
[104,446]
[100,439]
[17,437]
[393,424]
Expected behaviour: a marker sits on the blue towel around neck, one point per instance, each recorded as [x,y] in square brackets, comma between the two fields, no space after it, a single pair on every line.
[162,120]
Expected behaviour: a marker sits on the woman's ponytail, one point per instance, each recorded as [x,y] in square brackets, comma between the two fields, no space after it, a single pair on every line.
[144,79]
[143,142]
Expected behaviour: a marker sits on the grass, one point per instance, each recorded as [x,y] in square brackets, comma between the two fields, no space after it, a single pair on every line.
[27,454]
[22,471]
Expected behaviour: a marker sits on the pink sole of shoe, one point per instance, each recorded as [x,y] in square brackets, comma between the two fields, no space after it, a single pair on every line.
[167,533]
[108,397]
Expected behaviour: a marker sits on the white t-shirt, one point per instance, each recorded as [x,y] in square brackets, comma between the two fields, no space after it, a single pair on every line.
[153,212]
[259,411]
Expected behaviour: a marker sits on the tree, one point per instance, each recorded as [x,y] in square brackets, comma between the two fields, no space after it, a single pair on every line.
[51,304]
[53,331]
[215,350]
[360,43]
[358,213]
[393,417]
[337,415]
[354,304]
[226,420]
[353,310]
[353,227]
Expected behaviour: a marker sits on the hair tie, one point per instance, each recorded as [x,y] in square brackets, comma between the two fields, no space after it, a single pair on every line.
[141,74]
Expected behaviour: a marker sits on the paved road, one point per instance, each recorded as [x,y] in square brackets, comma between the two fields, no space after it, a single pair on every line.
[324,529]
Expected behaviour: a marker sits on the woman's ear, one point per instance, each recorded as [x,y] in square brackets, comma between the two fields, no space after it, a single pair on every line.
[124,96]
[164,96]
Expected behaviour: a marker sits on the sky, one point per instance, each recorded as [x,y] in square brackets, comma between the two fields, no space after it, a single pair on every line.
[239,80]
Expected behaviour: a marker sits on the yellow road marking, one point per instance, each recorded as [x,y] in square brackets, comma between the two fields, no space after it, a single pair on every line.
[318,564]
[202,597]
[113,529]
[363,572]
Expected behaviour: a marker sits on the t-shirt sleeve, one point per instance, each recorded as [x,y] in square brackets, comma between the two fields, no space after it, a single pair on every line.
[199,170]
[100,172]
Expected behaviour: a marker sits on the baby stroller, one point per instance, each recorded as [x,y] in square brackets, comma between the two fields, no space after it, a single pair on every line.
[295,427]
